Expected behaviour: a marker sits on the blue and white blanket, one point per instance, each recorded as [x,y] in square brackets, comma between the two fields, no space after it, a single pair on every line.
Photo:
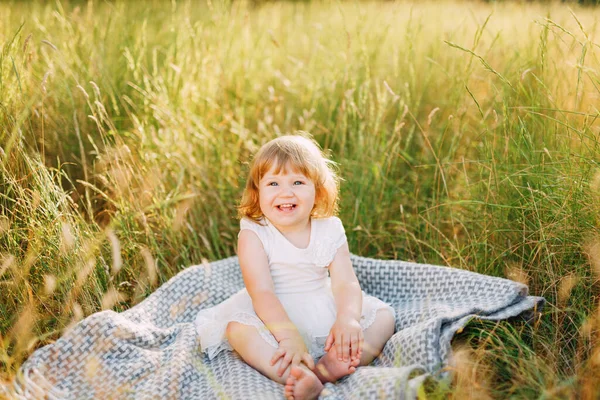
[151,351]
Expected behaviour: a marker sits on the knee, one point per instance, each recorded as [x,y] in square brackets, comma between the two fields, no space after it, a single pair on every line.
[388,320]
[232,329]
[389,314]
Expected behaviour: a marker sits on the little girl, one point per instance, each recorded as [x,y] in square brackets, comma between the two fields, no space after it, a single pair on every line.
[302,301]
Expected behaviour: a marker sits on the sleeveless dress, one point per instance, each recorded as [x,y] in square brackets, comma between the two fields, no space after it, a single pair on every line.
[302,284]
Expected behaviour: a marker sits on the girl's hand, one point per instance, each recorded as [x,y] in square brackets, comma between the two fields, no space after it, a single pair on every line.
[292,351]
[347,335]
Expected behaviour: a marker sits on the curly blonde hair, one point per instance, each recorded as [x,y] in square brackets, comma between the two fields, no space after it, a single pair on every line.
[302,154]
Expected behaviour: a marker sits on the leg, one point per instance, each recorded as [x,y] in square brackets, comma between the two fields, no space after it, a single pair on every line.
[330,369]
[377,335]
[257,353]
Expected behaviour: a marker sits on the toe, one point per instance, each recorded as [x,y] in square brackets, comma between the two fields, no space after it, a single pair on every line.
[296,372]
[288,391]
[290,381]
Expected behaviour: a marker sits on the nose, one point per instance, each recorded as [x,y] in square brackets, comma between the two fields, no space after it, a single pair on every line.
[287,191]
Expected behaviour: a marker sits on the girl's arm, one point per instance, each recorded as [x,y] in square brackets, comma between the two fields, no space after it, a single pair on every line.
[346,333]
[257,278]
[258,281]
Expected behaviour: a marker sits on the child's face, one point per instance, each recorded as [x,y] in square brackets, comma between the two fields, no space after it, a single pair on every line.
[287,198]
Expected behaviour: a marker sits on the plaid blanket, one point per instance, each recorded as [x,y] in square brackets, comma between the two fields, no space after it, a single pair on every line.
[151,350]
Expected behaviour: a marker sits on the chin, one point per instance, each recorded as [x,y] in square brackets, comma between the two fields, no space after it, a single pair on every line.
[287,220]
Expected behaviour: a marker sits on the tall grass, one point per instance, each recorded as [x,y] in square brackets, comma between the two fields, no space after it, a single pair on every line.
[467,135]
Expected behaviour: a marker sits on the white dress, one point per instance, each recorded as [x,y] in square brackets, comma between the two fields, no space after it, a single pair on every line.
[302,284]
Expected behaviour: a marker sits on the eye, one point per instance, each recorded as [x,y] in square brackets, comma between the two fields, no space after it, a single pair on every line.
[272,184]
[298,183]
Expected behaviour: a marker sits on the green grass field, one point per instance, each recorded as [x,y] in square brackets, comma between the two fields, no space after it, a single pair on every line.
[467,135]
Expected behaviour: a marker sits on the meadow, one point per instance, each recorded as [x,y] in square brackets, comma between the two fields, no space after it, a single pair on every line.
[467,135]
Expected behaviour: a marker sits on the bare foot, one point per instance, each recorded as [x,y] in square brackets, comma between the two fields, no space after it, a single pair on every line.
[302,384]
[330,369]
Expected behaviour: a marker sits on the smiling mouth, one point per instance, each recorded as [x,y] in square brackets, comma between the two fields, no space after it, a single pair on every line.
[286,207]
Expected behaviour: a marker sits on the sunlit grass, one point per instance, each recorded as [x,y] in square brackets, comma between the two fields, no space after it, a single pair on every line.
[466,133]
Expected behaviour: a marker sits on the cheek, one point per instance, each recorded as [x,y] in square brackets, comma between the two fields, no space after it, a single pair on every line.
[311,195]
[264,196]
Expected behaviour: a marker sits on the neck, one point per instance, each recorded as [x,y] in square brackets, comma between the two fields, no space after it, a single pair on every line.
[286,229]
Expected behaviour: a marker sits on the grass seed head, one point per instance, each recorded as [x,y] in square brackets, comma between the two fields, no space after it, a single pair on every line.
[112,297]
[7,261]
[23,330]
[150,266]
[116,251]
[84,272]
[431,115]
[4,224]
[566,286]
[49,284]
[469,375]
[515,272]
[67,239]
[181,212]
[595,183]
[592,250]
[77,312]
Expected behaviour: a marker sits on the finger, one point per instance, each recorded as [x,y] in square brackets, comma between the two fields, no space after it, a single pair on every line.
[339,347]
[284,364]
[296,360]
[328,342]
[280,352]
[287,360]
[281,366]
[346,346]
[308,360]
[353,346]
[361,343]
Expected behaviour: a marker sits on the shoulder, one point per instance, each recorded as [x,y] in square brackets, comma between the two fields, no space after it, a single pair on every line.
[330,224]
[247,223]
[331,230]
[330,237]
[260,231]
